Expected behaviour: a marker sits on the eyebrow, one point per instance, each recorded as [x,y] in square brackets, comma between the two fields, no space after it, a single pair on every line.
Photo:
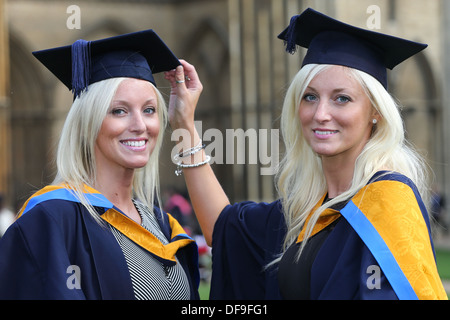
[337,90]
[151,100]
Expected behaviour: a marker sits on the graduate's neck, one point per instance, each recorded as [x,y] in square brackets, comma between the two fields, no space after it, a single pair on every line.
[118,189]
[338,175]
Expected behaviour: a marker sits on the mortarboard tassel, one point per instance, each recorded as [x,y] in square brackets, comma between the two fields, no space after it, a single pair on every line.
[81,65]
[290,42]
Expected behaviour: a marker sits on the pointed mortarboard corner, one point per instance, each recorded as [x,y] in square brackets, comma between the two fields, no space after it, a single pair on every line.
[134,55]
[330,41]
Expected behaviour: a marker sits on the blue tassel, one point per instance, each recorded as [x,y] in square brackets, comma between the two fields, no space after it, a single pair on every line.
[291,45]
[81,65]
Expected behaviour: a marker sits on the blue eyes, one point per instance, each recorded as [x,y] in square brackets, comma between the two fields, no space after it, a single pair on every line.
[342,99]
[310,98]
[150,110]
[118,111]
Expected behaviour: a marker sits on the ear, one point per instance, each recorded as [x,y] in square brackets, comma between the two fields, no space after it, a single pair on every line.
[375,115]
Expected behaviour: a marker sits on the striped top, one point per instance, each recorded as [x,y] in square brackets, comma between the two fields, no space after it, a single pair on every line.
[151,279]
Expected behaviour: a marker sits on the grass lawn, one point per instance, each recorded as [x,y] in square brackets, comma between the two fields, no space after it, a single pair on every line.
[203,290]
[443,263]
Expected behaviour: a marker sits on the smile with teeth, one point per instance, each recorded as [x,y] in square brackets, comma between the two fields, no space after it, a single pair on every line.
[134,143]
[324,132]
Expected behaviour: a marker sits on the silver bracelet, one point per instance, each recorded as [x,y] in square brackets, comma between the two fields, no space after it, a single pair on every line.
[189,152]
[180,165]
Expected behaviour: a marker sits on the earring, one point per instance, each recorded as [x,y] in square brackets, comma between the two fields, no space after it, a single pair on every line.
[374,121]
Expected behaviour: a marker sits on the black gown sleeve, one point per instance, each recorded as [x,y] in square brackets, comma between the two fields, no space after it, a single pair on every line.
[247,237]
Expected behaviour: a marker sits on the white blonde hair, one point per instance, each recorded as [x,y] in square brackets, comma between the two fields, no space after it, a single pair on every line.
[75,159]
[300,180]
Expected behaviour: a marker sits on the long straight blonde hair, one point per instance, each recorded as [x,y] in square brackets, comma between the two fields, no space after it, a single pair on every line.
[300,180]
[75,158]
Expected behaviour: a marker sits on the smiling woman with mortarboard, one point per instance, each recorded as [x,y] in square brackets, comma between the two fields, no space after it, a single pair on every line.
[95,232]
[351,221]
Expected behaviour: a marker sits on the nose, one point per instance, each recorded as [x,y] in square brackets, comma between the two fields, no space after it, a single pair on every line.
[138,124]
[322,113]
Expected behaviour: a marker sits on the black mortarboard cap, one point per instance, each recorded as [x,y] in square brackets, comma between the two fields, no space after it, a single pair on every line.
[134,55]
[330,41]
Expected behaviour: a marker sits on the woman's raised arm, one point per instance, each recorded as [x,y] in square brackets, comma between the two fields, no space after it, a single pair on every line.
[207,195]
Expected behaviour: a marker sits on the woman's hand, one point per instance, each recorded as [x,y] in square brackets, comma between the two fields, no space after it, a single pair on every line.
[184,95]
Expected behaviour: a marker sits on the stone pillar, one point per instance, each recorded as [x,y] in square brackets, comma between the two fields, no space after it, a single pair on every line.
[260,71]
[446,99]
[5,154]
